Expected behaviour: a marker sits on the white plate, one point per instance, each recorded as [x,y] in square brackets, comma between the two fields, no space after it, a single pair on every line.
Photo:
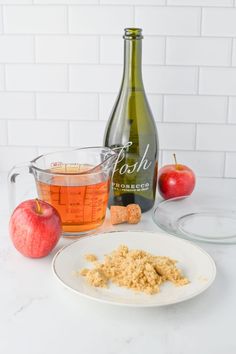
[196,264]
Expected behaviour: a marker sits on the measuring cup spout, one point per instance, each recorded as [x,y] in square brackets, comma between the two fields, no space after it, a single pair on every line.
[109,159]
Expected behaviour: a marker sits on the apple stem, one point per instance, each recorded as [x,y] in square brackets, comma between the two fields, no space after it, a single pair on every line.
[38,207]
[175,159]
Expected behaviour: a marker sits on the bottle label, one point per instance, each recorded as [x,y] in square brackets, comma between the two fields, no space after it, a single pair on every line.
[144,163]
[133,168]
[131,187]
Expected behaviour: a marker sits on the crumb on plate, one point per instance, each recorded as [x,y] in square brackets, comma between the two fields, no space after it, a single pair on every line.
[91,257]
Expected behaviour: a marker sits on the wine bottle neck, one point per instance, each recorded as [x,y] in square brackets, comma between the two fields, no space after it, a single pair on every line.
[132,76]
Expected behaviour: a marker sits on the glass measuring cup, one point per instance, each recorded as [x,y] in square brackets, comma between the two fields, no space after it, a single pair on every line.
[76,182]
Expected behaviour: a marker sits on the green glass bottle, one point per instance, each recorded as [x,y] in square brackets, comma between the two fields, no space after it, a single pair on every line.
[132,130]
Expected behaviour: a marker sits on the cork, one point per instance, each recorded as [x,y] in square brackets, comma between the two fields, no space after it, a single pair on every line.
[130,214]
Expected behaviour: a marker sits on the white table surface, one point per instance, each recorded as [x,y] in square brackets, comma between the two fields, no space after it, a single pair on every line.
[39,316]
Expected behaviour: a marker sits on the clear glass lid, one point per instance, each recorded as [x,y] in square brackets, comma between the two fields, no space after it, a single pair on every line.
[201,217]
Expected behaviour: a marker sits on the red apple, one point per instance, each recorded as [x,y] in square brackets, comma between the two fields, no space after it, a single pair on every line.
[176,180]
[35,228]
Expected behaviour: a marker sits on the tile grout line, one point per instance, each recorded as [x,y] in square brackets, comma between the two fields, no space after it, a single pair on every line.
[227,111]
[79,34]
[201,20]
[4,77]
[196,133]
[67,65]
[33,3]
[198,67]
[170,123]
[224,165]
[67,20]
[163,109]
[34,50]
[120,65]
[99,49]
[217,152]
[159,93]
[7,133]
[231,52]
[165,52]
[99,106]
[34,62]
[4,68]
[195,137]
[134,16]
[197,81]
[2,19]
[35,106]
[168,150]
[68,79]
[68,133]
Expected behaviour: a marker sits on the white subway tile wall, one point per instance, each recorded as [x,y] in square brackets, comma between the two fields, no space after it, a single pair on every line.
[2,78]
[216,137]
[61,69]
[3,132]
[205,163]
[99,19]
[95,78]
[177,136]
[35,19]
[198,51]
[201,2]
[217,81]
[169,20]
[74,106]
[16,49]
[232,110]
[87,133]
[170,79]
[17,105]
[67,49]
[230,164]
[219,22]
[1,22]
[31,77]
[35,132]
[199,109]
[107,101]
[112,50]
[11,155]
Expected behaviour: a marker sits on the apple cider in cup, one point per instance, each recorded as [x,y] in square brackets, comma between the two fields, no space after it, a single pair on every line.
[80,200]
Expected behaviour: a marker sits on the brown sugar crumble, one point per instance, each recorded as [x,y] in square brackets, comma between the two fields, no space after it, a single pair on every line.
[134,269]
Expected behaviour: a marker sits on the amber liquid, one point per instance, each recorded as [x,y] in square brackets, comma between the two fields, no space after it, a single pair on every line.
[80,201]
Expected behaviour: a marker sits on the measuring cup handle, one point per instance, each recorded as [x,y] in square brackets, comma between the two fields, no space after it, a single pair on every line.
[23,168]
